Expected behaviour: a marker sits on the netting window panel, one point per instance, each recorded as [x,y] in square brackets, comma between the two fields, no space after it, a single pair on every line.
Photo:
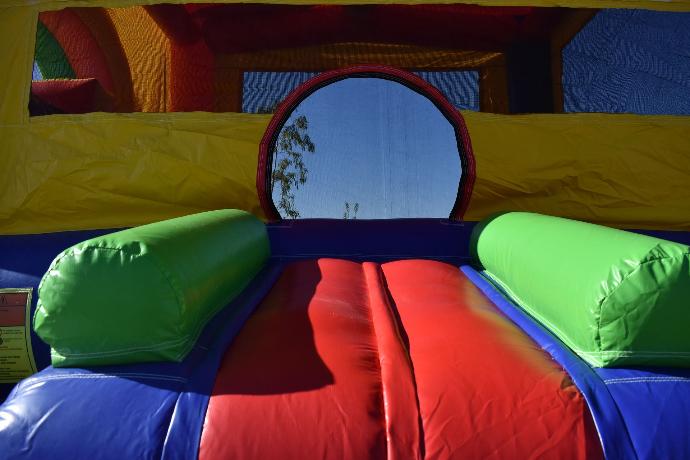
[629,61]
[263,91]
[365,148]
[460,88]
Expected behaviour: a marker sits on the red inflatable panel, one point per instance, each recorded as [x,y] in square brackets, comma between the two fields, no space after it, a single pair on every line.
[83,51]
[233,28]
[302,379]
[403,424]
[73,96]
[405,360]
[485,389]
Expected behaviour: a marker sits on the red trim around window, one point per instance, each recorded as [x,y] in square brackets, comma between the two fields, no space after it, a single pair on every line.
[408,79]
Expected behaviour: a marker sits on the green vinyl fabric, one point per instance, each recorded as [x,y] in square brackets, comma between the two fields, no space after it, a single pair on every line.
[144,294]
[614,297]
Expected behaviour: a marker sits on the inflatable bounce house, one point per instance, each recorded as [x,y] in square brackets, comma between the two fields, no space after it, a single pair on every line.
[360,229]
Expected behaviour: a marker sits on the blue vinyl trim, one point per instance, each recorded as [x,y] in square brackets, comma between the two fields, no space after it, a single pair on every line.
[677,236]
[375,240]
[608,419]
[381,240]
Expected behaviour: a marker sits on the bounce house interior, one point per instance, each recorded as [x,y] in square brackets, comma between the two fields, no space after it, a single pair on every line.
[354,229]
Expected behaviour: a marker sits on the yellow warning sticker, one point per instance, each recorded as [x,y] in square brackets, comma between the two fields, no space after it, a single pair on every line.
[16,356]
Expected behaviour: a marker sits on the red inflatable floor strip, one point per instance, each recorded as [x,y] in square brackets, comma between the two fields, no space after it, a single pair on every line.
[397,380]
[403,360]
[486,391]
[302,379]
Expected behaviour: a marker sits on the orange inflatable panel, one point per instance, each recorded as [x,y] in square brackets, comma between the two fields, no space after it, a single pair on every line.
[402,360]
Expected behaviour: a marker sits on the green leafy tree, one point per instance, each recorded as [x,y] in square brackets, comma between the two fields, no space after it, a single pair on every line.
[289,170]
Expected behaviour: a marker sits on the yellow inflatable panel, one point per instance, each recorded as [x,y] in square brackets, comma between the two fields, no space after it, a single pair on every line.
[63,172]
[621,170]
[18,38]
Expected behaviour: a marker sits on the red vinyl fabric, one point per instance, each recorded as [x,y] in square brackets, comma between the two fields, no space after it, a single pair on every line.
[302,379]
[485,389]
[402,360]
[83,51]
[73,96]
[233,28]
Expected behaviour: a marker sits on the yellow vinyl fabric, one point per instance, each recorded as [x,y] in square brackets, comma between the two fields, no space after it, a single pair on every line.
[63,172]
[75,172]
[626,171]
[18,38]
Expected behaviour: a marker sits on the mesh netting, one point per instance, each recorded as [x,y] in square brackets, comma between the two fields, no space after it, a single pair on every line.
[633,61]
[461,88]
[263,91]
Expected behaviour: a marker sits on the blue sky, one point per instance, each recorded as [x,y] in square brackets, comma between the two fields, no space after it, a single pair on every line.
[380,144]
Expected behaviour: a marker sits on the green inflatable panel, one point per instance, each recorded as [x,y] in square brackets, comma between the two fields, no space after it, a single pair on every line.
[144,294]
[615,298]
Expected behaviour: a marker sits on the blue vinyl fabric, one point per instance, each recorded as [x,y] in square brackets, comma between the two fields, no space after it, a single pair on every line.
[639,413]
[139,411]
[76,413]
[655,405]
[629,61]
[377,240]
[382,240]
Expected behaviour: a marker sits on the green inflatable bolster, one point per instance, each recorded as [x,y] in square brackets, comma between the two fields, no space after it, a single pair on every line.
[144,294]
[615,298]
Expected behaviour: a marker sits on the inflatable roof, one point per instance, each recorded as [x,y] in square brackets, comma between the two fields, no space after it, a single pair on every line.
[175,284]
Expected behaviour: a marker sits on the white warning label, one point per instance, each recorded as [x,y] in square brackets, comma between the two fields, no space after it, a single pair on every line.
[16,355]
